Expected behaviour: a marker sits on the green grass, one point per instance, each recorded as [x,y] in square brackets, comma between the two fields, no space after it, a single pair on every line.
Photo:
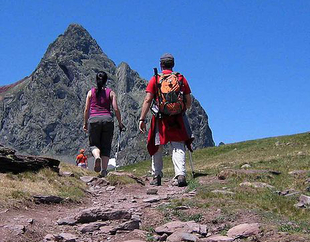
[192,184]
[119,180]
[283,154]
[299,227]
[260,154]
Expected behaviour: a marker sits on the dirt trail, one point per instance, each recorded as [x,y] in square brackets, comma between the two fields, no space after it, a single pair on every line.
[40,220]
[33,222]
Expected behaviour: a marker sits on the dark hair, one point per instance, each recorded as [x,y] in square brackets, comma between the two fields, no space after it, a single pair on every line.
[101,79]
[167,64]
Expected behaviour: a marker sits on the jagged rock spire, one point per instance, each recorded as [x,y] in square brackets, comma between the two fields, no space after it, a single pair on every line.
[44,113]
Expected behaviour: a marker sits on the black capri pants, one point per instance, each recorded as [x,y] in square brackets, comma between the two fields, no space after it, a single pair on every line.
[100,130]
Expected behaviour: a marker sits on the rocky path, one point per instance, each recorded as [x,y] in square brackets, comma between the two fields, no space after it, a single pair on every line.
[110,213]
[131,213]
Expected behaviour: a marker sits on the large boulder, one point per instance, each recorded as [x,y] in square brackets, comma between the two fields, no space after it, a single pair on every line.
[11,162]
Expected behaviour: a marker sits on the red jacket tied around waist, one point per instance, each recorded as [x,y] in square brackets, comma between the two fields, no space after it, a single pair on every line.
[168,128]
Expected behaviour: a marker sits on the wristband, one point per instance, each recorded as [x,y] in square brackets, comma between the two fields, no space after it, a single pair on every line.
[142,120]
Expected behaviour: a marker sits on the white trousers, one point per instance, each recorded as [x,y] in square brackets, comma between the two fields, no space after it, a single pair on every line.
[178,159]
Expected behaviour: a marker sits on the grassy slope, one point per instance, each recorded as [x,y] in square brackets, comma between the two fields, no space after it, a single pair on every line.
[283,154]
[280,153]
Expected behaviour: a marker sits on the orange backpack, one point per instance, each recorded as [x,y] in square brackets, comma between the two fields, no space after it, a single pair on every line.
[170,99]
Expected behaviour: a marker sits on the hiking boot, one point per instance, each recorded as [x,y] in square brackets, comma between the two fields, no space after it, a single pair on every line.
[97,167]
[174,182]
[103,173]
[182,181]
[156,181]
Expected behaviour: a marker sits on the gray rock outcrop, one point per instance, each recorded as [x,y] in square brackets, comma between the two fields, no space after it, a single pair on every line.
[11,162]
[94,214]
[43,113]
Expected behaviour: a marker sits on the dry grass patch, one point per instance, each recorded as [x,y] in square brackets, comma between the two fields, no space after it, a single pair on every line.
[18,188]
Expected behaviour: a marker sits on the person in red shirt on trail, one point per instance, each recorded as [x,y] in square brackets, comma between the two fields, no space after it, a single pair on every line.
[81,159]
[167,127]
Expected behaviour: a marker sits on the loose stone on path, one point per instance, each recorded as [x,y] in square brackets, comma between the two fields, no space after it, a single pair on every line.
[91,227]
[47,199]
[218,238]
[129,225]
[190,227]
[64,237]
[151,199]
[304,201]
[245,166]
[94,214]
[66,173]
[88,179]
[244,230]
[110,188]
[16,229]
[182,236]
[152,191]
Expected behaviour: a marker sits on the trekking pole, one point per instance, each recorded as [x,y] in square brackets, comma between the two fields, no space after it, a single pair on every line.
[118,145]
[154,106]
[191,163]
[117,149]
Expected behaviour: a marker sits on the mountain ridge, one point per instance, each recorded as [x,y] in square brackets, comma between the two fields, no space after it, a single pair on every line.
[49,103]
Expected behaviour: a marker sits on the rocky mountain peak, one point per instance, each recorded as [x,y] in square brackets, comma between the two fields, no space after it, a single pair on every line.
[75,40]
[76,28]
[49,103]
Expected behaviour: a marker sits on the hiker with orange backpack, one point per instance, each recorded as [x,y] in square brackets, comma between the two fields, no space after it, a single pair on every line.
[81,159]
[168,96]
[98,121]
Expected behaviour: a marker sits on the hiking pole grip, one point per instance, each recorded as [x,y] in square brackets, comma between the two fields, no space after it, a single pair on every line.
[155,74]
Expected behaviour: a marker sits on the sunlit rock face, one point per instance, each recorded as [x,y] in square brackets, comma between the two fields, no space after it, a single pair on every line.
[43,113]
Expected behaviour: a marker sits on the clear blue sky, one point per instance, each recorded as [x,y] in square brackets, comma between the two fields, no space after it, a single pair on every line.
[248,62]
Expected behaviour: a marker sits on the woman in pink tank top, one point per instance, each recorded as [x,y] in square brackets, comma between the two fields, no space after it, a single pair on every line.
[98,121]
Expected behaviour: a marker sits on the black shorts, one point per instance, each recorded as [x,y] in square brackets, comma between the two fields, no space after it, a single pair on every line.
[100,130]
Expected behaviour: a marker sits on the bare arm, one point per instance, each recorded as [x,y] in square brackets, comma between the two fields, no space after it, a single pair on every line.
[116,109]
[145,108]
[86,111]
[188,101]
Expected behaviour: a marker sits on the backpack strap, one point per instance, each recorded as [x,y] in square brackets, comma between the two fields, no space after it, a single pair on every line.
[178,74]
[161,77]
[158,83]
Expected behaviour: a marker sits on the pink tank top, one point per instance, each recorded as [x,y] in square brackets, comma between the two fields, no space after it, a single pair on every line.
[100,105]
